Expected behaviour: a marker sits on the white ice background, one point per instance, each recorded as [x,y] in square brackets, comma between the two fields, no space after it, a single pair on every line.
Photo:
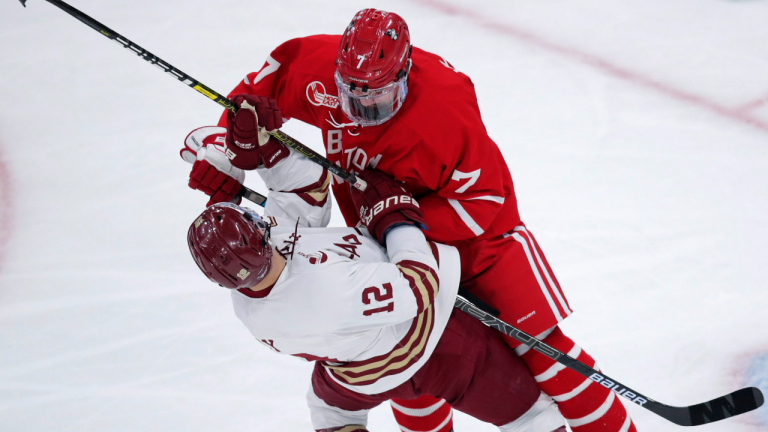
[636,132]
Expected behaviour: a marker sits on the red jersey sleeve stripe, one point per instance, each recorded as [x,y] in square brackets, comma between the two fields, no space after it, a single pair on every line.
[466,218]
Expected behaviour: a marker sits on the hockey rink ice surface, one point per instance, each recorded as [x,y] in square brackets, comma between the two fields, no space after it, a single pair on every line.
[636,133]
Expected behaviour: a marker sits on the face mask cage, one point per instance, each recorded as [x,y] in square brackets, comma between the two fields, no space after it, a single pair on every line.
[371,107]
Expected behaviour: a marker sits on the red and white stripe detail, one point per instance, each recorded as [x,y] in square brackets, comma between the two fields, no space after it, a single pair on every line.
[496,199]
[522,349]
[557,367]
[587,406]
[466,218]
[600,419]
[547,282]
[627,424]
[464,214]
[417,412]
[577,391]
[595,415]
[422,419]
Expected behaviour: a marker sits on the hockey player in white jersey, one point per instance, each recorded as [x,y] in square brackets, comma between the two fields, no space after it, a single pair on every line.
[375,312]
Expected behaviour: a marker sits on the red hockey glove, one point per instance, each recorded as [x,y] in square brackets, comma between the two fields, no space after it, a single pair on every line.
[248,141]
[212,172]
[385,204]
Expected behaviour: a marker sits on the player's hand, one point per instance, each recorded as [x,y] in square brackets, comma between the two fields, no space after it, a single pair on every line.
[385,204]
[249,143]
[212,171]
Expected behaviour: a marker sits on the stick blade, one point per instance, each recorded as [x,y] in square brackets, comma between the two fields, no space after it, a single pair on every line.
[23,3]
[733,404]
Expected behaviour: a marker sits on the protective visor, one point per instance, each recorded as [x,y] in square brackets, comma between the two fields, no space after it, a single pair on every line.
[373,106]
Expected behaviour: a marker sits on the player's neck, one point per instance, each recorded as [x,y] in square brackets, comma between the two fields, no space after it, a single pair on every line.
[278,264]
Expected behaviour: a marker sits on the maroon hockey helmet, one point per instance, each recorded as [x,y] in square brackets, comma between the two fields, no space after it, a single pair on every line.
[373,62]
[230,245]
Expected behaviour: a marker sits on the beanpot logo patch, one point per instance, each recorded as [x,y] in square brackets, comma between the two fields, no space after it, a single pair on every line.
[315,258]
[317,96]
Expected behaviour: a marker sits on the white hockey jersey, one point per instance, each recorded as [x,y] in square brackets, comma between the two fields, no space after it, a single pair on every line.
[371,316]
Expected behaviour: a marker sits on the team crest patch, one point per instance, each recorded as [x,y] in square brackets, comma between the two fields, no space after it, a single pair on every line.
[242,274]
[315,258]
[318,97]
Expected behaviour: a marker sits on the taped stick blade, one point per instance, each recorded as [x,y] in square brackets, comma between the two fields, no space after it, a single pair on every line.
[23,3]
[730,405]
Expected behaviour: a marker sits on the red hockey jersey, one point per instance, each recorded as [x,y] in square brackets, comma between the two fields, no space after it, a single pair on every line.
[436,144]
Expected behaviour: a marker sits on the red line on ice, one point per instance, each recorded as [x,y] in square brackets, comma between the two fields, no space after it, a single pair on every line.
[757,103]
[598,63]
[6,207]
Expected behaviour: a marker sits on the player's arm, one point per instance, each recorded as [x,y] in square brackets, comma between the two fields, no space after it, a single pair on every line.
[272,79]
[409,251]
[298,191]
[363,296]
[356,294]
[471,188]
[394,218]
[298,187]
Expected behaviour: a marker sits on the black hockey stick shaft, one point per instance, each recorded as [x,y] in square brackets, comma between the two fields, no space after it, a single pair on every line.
[252,196]
[203,89]
[733,404]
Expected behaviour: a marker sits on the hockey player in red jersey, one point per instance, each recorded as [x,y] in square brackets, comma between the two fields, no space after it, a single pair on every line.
[382,103]
[378,323]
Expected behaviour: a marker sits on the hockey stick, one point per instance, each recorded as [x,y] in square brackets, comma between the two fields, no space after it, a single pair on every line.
[205,90]
[730,405]
[252,196]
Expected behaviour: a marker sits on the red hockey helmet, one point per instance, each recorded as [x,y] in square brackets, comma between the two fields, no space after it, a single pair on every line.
[373,62]
[230,245]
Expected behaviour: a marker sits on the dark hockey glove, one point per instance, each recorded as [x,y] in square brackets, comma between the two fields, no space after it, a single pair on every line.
[385,204]
[214,183]
[248,141]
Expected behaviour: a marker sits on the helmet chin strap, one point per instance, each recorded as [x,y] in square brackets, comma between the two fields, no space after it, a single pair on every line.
[338,125]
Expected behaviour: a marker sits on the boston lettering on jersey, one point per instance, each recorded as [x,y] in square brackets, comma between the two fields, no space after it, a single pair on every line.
[428,146]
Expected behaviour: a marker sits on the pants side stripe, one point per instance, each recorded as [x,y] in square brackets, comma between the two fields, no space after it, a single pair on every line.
[536,273]
[554,286]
